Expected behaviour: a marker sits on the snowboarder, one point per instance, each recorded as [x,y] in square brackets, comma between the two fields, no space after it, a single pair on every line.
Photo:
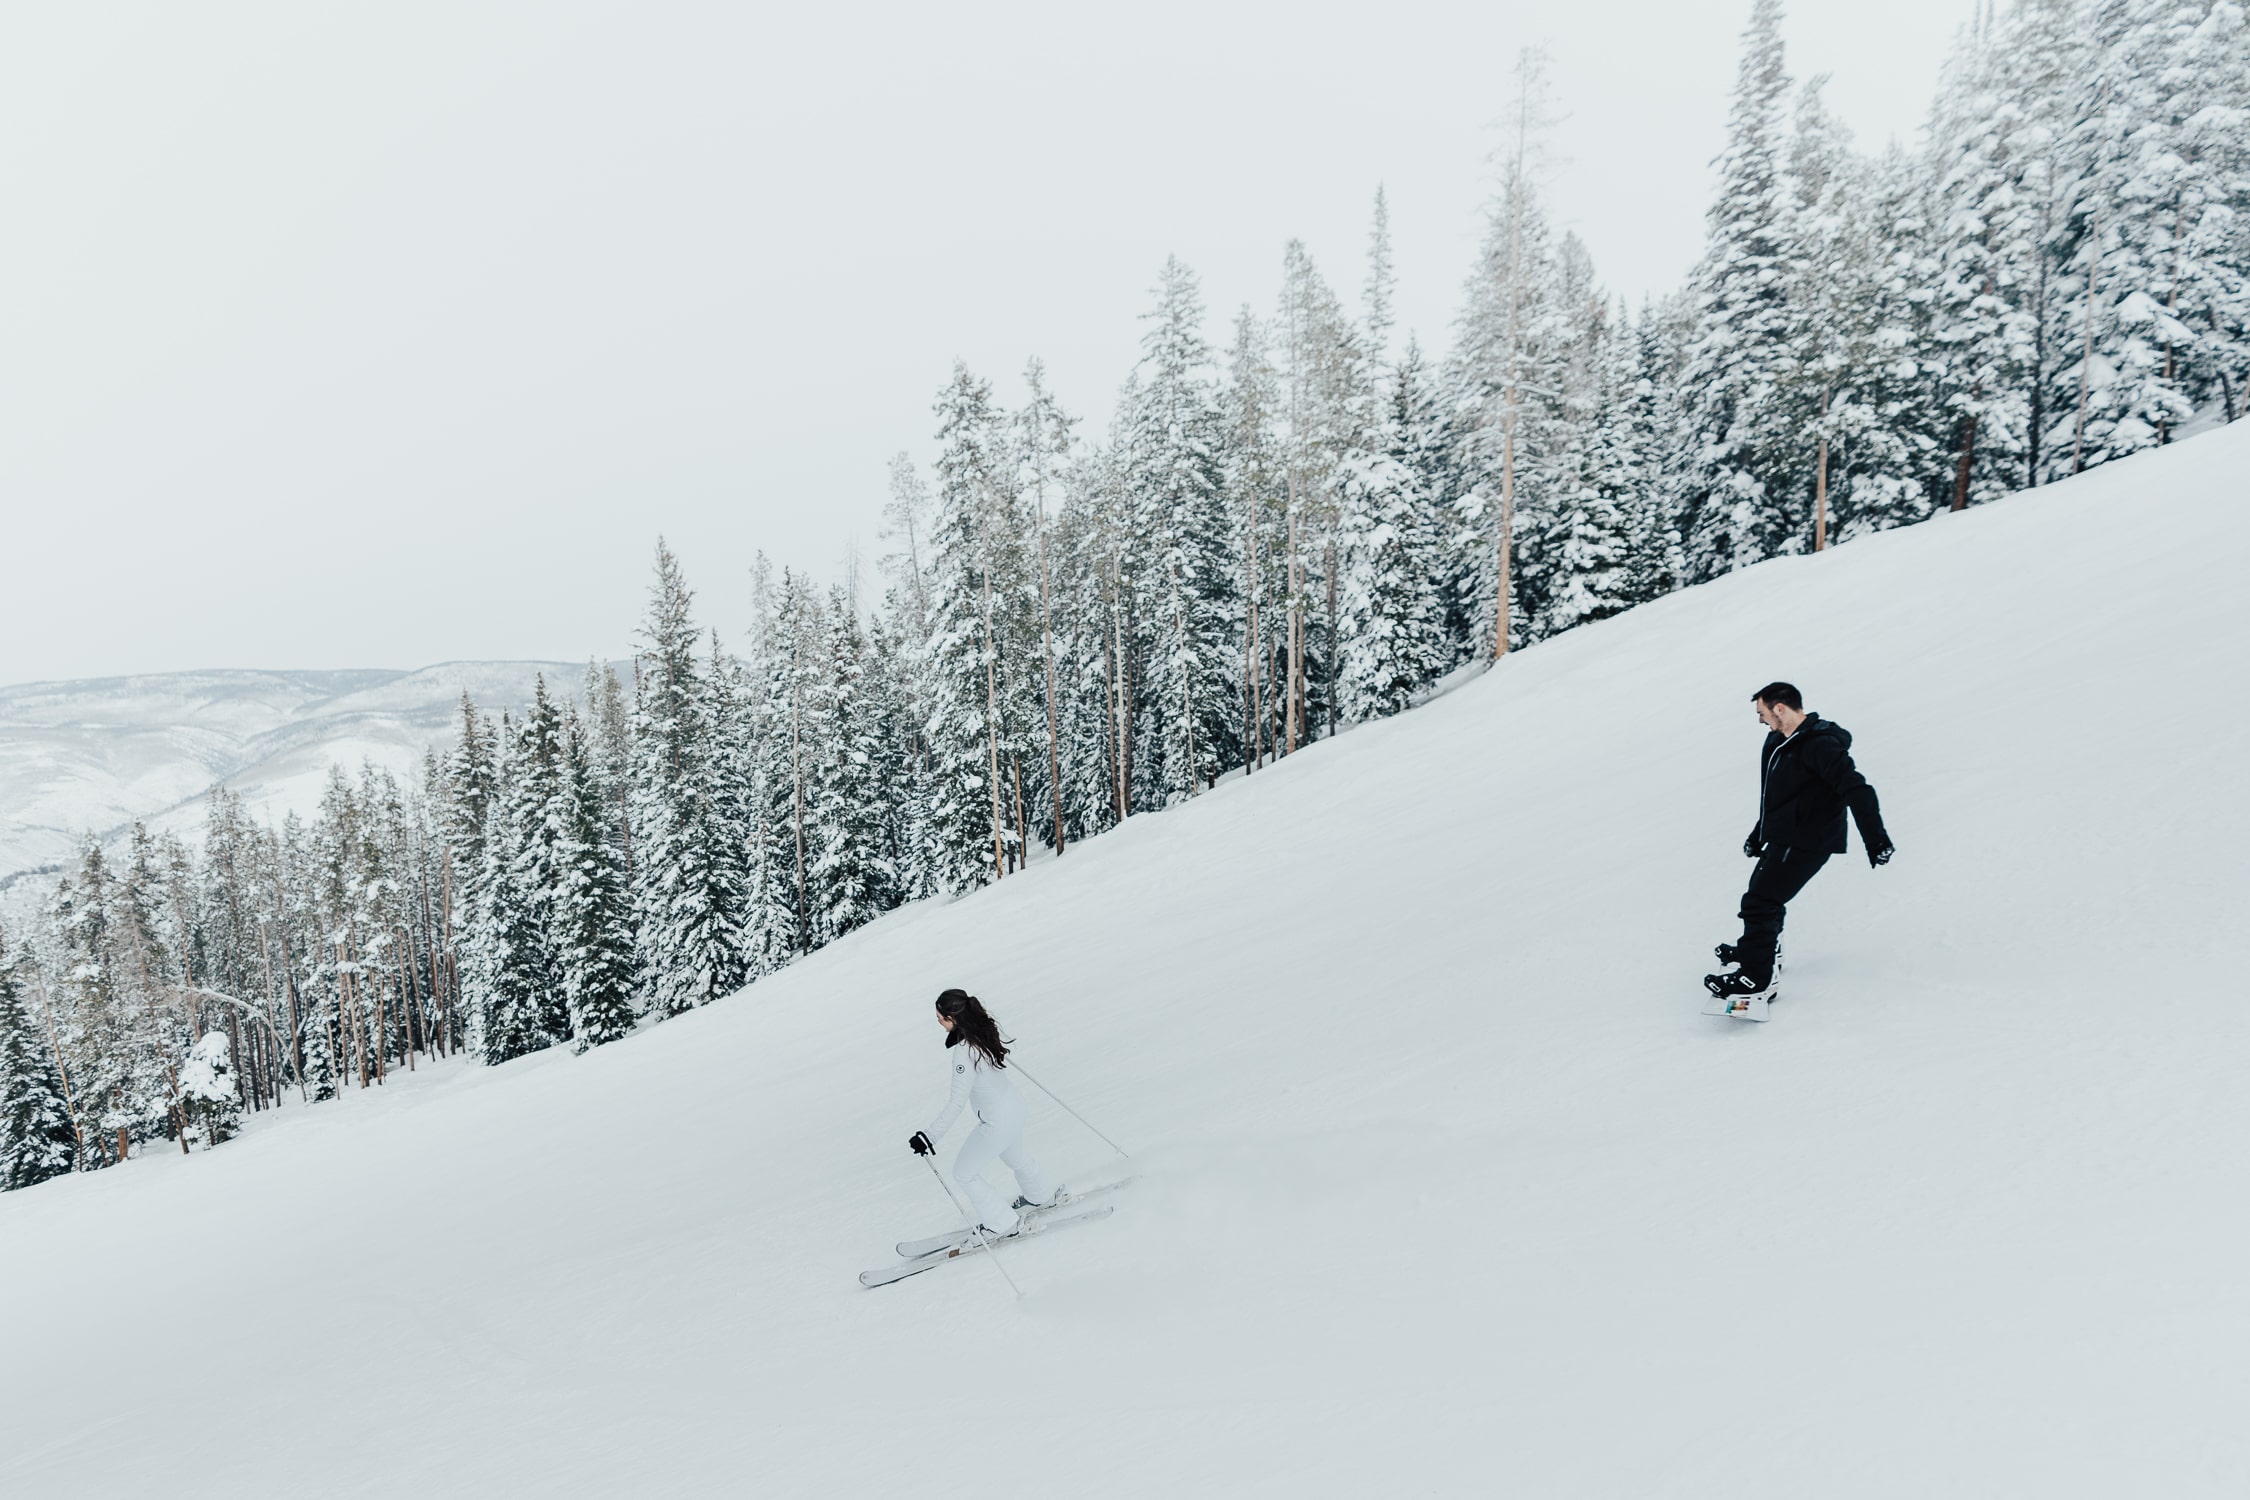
[1806,780]
[979,1058]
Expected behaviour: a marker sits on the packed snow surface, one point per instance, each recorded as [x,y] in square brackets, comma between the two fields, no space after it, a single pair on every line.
[1446,1186]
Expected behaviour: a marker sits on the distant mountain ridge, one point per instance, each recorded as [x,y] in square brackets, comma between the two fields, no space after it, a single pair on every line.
[93,755]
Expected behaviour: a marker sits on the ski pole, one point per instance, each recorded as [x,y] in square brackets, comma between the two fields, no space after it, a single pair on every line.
[1074,1114]
[975,1229]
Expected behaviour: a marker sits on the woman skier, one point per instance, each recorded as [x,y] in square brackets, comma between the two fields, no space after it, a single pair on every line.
[978,1057]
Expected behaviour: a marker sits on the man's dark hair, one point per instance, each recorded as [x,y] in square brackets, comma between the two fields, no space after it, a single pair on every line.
[1780,695]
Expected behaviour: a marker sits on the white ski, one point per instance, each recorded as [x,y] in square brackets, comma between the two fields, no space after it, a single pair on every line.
[905,1268]
[915,1249]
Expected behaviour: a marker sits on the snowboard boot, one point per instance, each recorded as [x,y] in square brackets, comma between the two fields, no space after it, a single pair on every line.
[1730,955]
[1740,985]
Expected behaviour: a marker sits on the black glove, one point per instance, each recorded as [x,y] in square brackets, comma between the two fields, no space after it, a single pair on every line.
[1880,853]
[920,1145]
[1752,846]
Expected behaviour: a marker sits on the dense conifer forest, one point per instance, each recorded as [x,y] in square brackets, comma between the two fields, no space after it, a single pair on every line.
[1302,523]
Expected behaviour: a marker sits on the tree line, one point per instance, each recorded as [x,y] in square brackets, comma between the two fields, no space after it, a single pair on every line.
[1305,525]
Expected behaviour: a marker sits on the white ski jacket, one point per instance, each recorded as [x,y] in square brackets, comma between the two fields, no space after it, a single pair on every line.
[976,1082]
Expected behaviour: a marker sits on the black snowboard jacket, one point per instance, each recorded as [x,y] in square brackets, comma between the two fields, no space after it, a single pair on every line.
[1805,781]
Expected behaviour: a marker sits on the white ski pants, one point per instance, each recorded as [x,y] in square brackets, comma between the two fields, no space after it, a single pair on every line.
[1000,1135]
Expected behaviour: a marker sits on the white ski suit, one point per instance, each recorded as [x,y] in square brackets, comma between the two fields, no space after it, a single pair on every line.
[999,1109]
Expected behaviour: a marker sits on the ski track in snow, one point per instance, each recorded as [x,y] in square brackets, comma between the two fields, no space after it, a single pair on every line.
[1447,1187]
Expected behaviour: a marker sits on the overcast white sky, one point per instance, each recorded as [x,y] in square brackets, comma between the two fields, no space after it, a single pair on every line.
[383,334]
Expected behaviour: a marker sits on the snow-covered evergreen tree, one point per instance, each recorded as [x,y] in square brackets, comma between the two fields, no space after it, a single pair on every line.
[1392,621]
[1169,456]
[592,910]
[1323,410]
[207,1088]
[980,582]
[1505,371]
[37,1138]
[853,810]
[690,890]
[1747,467]
[1595,478]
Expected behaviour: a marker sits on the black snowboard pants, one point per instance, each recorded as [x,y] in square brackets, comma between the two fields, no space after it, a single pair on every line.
[1779,876]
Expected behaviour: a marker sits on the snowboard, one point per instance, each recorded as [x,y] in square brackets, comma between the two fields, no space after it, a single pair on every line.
[1742,1007]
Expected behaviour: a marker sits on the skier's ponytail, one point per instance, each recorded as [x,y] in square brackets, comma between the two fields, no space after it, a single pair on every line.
[973,1024]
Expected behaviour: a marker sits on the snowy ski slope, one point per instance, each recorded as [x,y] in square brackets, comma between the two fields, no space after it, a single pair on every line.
[1447,1186]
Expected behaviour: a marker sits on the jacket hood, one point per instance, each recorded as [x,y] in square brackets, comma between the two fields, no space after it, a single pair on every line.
[1815,724]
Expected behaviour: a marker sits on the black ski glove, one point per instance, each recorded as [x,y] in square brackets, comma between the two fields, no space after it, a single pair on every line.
[1752,846]
[1880,853]
[920,1145]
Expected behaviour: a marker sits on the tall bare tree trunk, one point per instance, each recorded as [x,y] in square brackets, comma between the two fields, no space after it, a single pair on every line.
[1113,719]
[1022,852]
[289,991]
[1296,710]
[1509,389]
[1507,530]
[992,731]
[1335,655]
[54,1045]
[410,998]
[1820,481]
[1047,636]
[452,986]
[2086,364]
[797,784]
[1187,687]
[1124,680]
[1253,663]
[2172,306]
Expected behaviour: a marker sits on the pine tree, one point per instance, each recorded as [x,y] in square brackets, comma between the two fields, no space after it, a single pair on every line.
[689,815]
[37,1137]
[1322,413]
[1983,337]
[1255,491]
[1169,449]
[1043,447]
[1746,468]
[1505,365]
[1655,560]
[2133,195]
[592,911]
[853,809]
[979,573]
[1393,625]
[1382,284]
[512,985]
[207,1088]
[1596,476]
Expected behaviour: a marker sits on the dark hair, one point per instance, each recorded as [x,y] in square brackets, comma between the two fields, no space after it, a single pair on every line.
[1780,695]
[973,1024]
